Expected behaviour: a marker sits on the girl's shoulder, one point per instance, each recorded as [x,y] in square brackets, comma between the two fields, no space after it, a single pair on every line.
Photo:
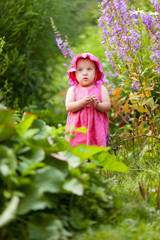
[103,88]
[71,89]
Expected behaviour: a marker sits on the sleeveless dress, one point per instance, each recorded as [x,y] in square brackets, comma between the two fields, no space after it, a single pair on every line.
[96,122]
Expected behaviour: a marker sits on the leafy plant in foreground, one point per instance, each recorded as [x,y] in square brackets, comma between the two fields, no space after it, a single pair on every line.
[47,187]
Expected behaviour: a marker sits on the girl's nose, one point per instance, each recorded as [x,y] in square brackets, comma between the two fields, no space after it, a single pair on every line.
[84,72]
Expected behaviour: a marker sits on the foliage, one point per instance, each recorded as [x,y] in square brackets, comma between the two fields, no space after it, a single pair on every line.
[137,214]
[3,67]
[3,57]
[131,40]
[30,48]
[78,15]
[45,182]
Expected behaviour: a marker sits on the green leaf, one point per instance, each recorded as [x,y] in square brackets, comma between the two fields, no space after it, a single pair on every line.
[4,151]
[35,155]
[7,127]
[108,162]
[10,212]
[58,164]
[23,149]
[6,131]
[25,124]
[72,160]
[4,170]
[84,152]
[6,116]
[8,162]
[150,102]
[29,133]
[31,161]
[74,186]
[33,200]
[29,169]
[81,129]
[48,179]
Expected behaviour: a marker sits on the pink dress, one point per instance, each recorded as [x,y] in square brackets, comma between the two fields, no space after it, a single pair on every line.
[96,122]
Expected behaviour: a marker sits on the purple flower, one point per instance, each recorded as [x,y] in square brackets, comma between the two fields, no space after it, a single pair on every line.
[108,54]
[112,74]
[158,69]
[62,45]
[101,24]
[106,80]
[147,20]
[123,32]
[156,5]
[71,53]
[59,41]
[154,1]
[111,90]
[135,85]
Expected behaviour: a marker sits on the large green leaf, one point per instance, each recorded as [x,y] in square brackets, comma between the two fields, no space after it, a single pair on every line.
[74,186]
[10,212]
[108,162]
[6,116]
[7,127]
[55,162]
[72,160]
[84,152]
[25,124]
[48,179]
[6,131]
[31,160]
[8,162]
[33,200]
[28,168]
[35,155]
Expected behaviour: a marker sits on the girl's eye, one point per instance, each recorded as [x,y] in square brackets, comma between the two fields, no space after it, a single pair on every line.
[89,69]
[80,69]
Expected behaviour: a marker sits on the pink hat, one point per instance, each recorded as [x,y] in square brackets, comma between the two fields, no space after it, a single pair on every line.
[72,69]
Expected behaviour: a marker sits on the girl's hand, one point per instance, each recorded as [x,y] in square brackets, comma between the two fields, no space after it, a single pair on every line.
[87,100]
[95,100]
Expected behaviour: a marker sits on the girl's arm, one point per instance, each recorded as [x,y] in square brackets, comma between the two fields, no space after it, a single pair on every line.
[105,104]
[74,106]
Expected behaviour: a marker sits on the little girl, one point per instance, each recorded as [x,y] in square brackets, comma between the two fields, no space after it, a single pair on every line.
[87,101]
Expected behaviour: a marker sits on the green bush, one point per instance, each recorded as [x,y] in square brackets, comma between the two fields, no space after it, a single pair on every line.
[30,48]
[48,189]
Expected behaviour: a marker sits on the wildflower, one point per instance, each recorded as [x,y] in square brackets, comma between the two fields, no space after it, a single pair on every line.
[112,74]
[62,45]
[105,80]
[156,5]
[123,32]
[110,91]
[59,41]
[147,20]
[135,85]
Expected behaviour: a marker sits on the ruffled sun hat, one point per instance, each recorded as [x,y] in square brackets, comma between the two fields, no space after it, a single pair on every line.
[72,69]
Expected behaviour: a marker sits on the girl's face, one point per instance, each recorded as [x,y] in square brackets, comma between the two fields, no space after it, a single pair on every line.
[85,73]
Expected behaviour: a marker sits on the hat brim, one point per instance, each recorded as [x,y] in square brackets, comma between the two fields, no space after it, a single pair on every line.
[99,72]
